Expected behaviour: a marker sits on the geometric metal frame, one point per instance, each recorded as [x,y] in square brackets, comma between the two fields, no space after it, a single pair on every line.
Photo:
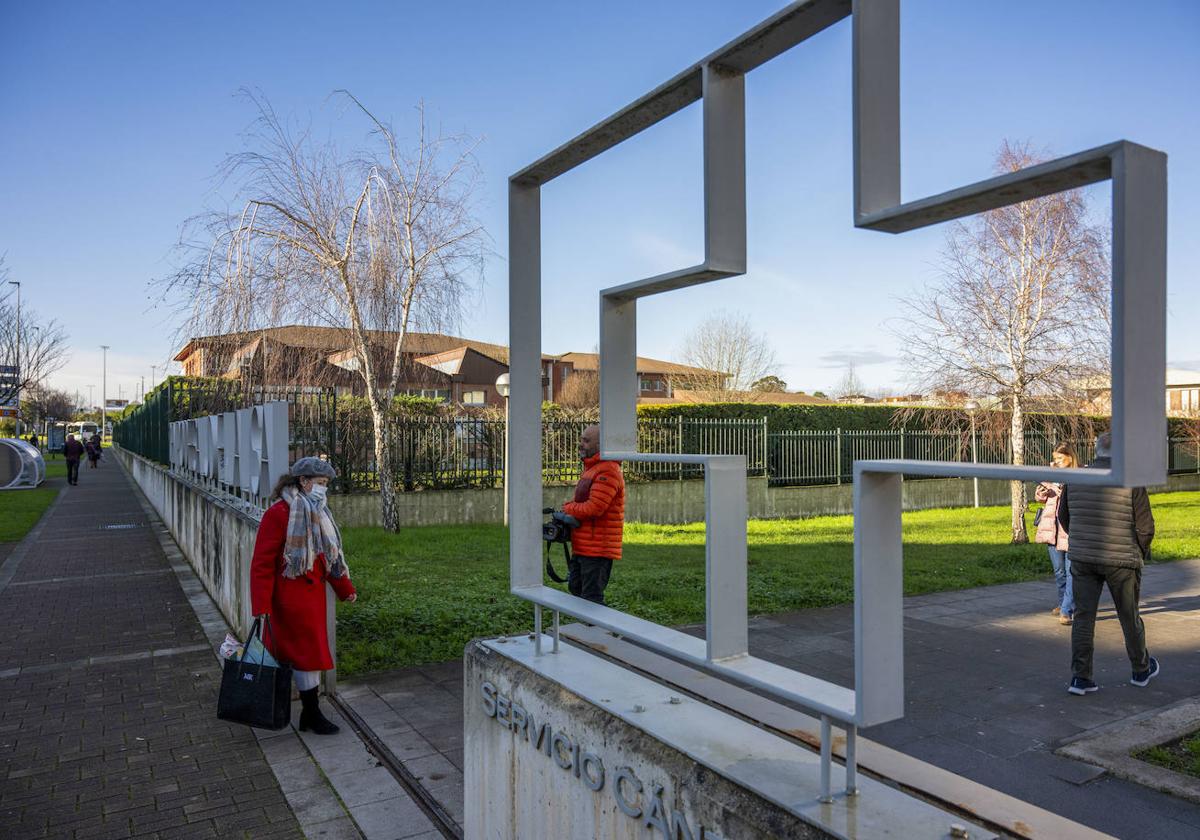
[718,81]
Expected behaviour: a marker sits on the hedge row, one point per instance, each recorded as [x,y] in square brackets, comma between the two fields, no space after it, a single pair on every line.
[871,417]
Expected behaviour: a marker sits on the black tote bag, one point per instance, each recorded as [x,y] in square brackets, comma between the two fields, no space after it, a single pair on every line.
[253,693]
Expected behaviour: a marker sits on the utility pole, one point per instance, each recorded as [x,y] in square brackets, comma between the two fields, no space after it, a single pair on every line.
[20,372]
[142,393]
[104,393]
[91,397]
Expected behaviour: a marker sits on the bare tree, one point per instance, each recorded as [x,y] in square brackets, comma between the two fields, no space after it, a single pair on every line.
[849,385]
[42,344]
[374,244]
[729,357]
[1020,313]
[46,402]
[580,391]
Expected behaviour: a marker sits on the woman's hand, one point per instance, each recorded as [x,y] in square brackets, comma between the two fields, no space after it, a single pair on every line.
[353,597]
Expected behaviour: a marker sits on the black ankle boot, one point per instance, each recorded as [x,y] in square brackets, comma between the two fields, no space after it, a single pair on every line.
[311,717]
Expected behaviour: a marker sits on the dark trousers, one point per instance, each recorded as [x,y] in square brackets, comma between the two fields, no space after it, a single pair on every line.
[1125,586]
[73,472]
[587,577]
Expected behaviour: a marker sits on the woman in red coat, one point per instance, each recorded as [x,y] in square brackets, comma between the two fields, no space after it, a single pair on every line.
[298,548]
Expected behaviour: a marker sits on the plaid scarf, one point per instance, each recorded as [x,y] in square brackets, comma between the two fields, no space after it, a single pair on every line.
[311,531]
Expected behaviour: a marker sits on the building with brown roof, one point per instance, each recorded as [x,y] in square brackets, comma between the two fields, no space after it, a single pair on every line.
[434,365]
[656,379]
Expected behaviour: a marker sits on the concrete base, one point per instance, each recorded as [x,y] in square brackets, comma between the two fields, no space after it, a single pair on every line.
[569,745]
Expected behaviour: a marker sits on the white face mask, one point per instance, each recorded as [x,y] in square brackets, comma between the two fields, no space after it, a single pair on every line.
[317,492]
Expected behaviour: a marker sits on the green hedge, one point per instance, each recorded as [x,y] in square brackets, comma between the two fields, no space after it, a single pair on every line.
[787,417]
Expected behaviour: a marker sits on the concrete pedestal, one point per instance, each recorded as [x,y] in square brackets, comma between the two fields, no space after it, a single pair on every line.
[568,745]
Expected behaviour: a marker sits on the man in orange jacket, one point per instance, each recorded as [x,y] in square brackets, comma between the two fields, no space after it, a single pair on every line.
[599,505]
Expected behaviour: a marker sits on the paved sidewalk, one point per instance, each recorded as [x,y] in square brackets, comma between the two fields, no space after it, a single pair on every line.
[108,688]
[986,675]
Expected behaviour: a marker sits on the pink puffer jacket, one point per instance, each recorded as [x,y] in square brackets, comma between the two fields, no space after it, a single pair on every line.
[1048,529]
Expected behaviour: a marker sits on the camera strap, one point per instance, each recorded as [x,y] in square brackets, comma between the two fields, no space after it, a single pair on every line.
[550,566]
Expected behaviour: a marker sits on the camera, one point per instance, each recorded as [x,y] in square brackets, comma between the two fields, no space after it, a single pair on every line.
[558,530]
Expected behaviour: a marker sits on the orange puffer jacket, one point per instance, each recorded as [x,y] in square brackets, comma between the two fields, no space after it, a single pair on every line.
[599,505]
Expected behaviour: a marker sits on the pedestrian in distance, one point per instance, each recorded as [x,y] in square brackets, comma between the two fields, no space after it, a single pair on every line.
[93,450]
[72,451]
[599,505]
[298,549]
[1111,531]
[33,441]
[1053,535]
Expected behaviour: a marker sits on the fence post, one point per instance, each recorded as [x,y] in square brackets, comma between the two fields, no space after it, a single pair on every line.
[839,454]
[765,468]
[901,443]
[679,445]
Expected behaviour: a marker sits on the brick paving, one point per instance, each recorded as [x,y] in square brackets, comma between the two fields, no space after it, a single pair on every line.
[108,689]
[986,672]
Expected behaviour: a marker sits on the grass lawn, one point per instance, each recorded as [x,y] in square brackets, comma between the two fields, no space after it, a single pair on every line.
[21,509]
[1182,756]
[425,592]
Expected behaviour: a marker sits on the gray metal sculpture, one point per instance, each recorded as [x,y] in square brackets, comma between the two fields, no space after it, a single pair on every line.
[1138,353]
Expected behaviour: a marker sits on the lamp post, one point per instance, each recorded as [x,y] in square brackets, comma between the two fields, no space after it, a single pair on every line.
[971,407]
[104,394]
[17,283]
[502,388]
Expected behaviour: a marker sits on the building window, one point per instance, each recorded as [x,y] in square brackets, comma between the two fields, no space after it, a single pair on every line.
[474,398]
[647,385]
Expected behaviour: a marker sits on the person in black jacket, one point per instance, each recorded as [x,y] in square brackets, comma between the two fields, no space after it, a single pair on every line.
[1111,529]
[73,450]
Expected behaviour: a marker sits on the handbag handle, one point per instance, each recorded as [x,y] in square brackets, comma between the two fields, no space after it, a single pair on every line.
[256,629]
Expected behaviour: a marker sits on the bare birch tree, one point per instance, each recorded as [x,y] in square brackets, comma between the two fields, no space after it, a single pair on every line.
[1020,313]
[375,244]
[729,355]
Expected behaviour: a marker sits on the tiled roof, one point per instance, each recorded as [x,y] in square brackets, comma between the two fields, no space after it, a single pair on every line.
[591,361]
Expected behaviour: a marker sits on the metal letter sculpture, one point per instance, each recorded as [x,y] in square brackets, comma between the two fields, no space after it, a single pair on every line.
[1139,220]
[242,451]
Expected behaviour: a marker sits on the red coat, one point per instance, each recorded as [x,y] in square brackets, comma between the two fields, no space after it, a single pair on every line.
[599,505]
[297,605]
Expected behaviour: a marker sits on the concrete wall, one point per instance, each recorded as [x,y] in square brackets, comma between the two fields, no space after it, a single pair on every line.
[216,538]
[571,745]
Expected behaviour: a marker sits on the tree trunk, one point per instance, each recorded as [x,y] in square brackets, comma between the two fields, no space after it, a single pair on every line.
[1019,499]
[389,514]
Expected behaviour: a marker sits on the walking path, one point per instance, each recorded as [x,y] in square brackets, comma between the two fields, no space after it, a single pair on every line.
[108,690]
[986,675]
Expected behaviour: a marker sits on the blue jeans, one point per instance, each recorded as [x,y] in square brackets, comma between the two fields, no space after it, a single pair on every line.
[1062,576]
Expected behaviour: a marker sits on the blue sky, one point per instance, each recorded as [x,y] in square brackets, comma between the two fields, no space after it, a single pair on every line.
[116,116]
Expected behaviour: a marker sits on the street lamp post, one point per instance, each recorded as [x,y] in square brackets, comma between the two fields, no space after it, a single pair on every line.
[17,283]
[502,388]
[104,393]
[971,408]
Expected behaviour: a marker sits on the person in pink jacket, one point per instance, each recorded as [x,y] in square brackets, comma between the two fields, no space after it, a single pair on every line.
[1051,533]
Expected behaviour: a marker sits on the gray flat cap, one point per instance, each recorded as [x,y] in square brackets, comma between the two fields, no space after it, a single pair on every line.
[313,466]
